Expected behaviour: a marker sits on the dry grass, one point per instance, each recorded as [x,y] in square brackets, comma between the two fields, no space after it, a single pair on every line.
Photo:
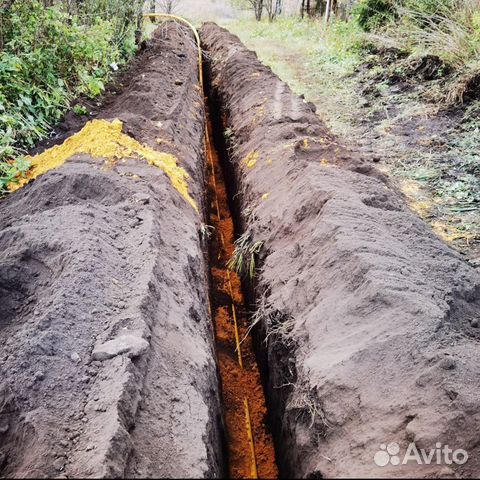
[463,84]
[450,34]
[307,406]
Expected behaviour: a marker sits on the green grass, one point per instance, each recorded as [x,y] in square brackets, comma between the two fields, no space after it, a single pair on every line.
[290,46]
[243,260]
[314,59]
[10,173]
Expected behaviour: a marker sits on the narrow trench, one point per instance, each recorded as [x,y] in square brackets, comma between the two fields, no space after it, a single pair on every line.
[248,444]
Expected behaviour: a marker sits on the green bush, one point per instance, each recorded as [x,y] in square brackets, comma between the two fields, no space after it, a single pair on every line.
[429,7]
[9,172]
[372,14]
[49,56]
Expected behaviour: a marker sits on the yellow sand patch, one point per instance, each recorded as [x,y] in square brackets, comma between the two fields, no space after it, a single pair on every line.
[417,199]
[450,234]
[162,141]
[288,145]
[422,204]
[251,159]
[103,139]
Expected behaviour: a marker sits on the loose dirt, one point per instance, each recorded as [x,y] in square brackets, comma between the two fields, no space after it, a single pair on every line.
[107,365]
[372,319]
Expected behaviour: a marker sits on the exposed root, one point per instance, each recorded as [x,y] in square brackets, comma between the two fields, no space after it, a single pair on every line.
[279,326]
[307,406]
[206,231]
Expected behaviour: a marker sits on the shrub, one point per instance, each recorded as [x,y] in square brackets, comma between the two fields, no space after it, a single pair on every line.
[447,29]
[49,56]
[372,14]
[429,7]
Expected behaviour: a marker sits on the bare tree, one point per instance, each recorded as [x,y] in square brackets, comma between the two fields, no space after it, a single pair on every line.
[320,6]
[255,5]
[168,6]
[328,10]
[306,8]
[273,8]
[258,8]
[331,9]
[278,7]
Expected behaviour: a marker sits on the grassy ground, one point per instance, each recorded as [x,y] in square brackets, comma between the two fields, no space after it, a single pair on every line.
[379,106]
[313,60]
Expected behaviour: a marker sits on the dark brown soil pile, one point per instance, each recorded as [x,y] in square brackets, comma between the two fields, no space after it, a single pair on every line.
[107,352]
[372,321]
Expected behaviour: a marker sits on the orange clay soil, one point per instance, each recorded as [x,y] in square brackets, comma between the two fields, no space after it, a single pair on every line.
[238,384]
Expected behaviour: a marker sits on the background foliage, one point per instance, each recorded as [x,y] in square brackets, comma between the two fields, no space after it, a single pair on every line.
[50,53]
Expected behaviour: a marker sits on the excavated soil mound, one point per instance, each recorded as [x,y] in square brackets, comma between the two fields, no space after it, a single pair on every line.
[107,352]
[372,321]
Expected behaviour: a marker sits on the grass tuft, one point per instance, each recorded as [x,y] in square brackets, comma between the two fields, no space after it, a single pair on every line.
[243,260]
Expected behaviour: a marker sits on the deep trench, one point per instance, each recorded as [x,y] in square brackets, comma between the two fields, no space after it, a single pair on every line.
[226,289]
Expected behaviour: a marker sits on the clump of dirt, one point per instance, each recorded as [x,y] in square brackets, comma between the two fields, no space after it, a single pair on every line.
[107,366]
[364,307]
[464,88]
[399,67]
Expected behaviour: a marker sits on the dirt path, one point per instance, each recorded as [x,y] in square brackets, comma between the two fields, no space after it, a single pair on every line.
[371,319]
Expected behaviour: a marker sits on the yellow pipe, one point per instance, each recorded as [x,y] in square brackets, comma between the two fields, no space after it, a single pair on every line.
[248,423]
[237,336]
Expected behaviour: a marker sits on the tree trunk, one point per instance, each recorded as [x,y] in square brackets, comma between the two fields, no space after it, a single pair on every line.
[328,10]
[320,7]
[278,8]
[258,9]
[302,8]
[270,10]
[334,7]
